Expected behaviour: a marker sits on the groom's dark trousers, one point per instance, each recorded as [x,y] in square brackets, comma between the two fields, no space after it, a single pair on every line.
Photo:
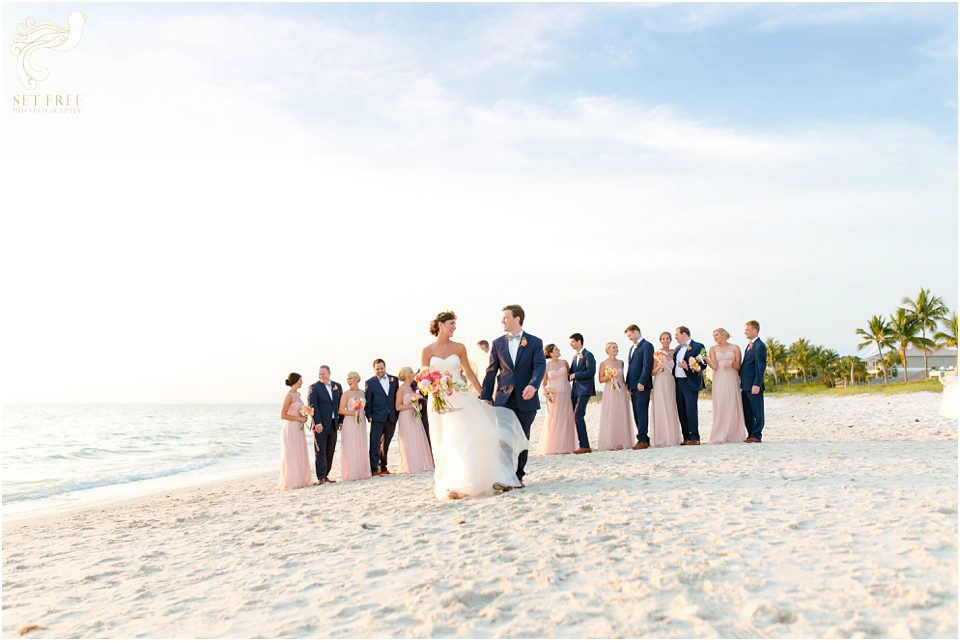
[526,420]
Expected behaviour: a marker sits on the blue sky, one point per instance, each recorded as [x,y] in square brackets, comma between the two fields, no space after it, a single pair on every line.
[807,152]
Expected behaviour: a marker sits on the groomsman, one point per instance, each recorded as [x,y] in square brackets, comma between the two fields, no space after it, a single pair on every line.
[640,383]
[583,367]
[423,414]
[324,398]
[689,383]
[381,410]
[751,381]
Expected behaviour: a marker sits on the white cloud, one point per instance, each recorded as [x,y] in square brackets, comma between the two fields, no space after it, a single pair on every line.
[226,212]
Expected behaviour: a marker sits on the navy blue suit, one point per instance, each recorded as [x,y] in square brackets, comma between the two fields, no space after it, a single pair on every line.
[688,389]
[326,415]
[508,379]
[751,373]
[640,372]
[583,368]
[381,411]
[423,415]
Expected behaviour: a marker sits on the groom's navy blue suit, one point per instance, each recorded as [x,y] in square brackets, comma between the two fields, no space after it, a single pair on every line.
[381,410]
[583,368]
[326,414]
[751,373]
[510,378]
[688,389]
[640,372]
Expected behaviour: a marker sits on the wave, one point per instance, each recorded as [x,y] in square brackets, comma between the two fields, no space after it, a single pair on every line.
[119,479]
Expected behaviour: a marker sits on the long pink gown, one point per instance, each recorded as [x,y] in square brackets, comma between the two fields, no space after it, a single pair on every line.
[728,425]
[616,422]
[414,450]
[559,432]
[354,445]
[294,463]
[664,418]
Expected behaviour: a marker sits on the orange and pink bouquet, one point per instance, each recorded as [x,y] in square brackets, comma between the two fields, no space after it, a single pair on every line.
[438,384]
[357,405]
[611,373]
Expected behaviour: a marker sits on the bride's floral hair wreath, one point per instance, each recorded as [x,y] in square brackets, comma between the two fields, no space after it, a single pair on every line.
[442,317]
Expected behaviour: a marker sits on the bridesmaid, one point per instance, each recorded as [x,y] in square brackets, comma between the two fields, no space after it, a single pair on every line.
[724,359]
[294,464]
[616,431]
[560,430]
[664,418]
[414,450]
[354,445]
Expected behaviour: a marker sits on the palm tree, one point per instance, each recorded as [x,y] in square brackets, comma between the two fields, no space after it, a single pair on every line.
[776,357]
[856,367]
[945,338]
[802,356]
[927,309]
[828,364]
[905,326]
[877,333]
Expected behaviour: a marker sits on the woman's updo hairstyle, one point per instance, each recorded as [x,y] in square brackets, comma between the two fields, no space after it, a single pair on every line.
[442,317]
[548,349]
[292,379]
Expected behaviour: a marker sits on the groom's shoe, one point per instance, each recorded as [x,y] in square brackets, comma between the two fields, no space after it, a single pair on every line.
[641,446]
[693,442]
[582,450]
[385,472]
[328,480]
[752,440]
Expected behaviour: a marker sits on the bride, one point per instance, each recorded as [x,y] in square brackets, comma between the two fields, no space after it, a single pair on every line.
[475,445]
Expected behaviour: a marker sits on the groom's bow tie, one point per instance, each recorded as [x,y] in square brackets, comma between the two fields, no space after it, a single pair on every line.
[514,337]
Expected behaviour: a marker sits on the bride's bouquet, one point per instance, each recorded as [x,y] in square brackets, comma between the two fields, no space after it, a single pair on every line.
[306,411]
[611,373]
[439,384]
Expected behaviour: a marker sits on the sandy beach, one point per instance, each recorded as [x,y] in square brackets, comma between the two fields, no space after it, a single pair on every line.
[842,523]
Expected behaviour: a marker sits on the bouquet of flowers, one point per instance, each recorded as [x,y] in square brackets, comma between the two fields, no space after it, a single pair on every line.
[306,411]
[697,363]
[550,393]
[611,373]
[415,399]
[357,405]
[438,384]
[658,357]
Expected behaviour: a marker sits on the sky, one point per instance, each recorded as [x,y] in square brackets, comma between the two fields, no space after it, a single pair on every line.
[254,189]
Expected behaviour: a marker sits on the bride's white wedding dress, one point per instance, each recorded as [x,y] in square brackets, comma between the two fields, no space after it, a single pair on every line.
[474,445]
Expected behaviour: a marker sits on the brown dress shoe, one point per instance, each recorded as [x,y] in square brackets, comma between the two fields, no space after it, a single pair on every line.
[378,473]
[752,440]
[693,442]
[329,480]
[684,442]
[385,472]
[582,450]
[640,446]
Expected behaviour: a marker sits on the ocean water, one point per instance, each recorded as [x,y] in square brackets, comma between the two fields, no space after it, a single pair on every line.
[61,457]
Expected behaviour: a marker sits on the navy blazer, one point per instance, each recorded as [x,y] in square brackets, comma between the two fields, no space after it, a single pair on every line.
[529,369]
[381,406]
[583,370]
[754,365]
[326,410]
[640,367]
[693,350]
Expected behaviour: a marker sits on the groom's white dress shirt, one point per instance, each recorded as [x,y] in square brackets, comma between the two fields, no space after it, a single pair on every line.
[330,394]
[679,372]
[513,344]
[385,384]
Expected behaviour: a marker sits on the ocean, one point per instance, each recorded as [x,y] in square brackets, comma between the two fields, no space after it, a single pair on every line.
[61,457]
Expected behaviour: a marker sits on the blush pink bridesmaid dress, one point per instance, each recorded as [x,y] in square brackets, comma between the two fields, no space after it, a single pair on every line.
[559,432]
[354,445]
[664,418]
[616,424]
[728,424]
[294,463]
[414,450]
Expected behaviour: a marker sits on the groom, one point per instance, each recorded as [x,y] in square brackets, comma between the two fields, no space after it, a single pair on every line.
[517,365]
[380,394]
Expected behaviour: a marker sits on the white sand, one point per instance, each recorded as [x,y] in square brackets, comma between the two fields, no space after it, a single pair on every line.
[842,523]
